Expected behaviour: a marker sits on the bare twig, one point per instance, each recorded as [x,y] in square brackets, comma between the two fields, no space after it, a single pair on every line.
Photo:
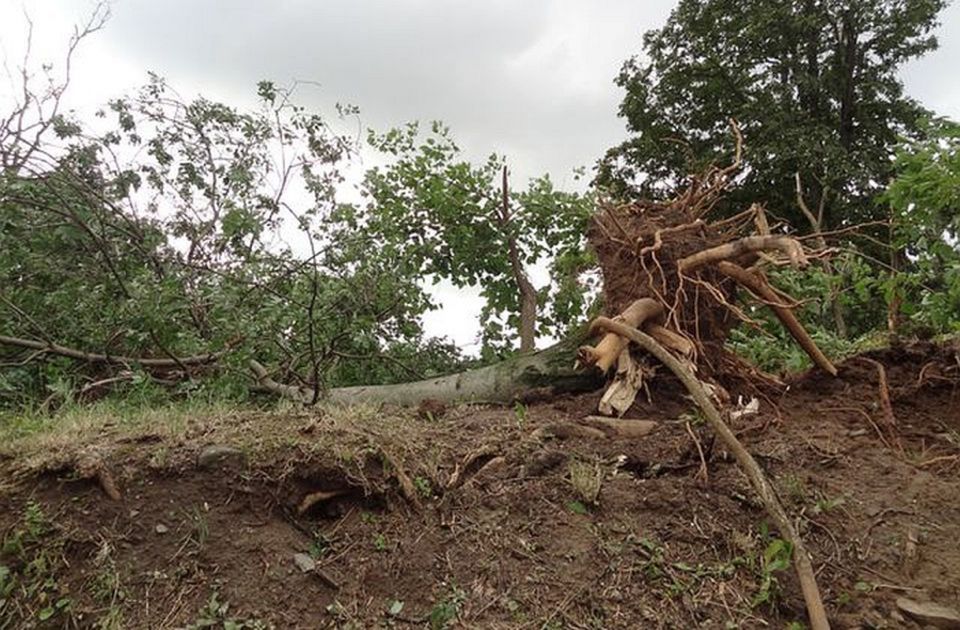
[92,357]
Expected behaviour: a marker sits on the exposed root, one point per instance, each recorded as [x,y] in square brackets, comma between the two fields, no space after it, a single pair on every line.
[748,244]
[762,486]
[889,419]
[606,353]
[315,498]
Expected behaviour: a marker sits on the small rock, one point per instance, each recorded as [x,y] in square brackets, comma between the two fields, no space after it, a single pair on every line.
[161,528]
[930,613]
[217,455]
[304,562]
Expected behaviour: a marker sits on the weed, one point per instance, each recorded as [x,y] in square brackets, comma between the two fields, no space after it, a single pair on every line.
[380,542]
[199,526]
[795,487]
[215,615]
[445,611]
[107,588]
[30,558]
[520,413]
[825,504]
[586,479]
[776,557]
[423,487]
[319,546]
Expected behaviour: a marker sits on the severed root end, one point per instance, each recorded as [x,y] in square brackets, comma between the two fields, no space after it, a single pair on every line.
[605,354]
[90,465]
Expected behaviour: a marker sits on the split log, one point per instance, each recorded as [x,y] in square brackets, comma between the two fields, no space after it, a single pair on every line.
[759,287]
[762,486]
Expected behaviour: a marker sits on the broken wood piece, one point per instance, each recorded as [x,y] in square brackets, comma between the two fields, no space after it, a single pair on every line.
[760,288]
[929,613]
[621,427]
[626,383]
[910,554]
[889,419]
[758,479]
[407,488]
[90,465]
[314,498]
[606,353]
[566,430]
[785,244]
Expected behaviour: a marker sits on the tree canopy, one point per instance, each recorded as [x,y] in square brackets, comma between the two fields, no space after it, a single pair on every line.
[812,83]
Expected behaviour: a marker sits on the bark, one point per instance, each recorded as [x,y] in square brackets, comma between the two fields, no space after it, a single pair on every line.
[528,293]
[547,372]
[748,244]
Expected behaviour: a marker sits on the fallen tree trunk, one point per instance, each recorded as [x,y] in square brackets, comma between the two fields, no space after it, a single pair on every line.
[543,373]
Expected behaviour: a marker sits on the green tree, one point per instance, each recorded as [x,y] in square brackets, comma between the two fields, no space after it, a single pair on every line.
[167,235]
[924,197]
[813,84]
[448,218]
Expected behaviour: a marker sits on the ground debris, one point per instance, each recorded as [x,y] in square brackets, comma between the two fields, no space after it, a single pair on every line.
[930,613]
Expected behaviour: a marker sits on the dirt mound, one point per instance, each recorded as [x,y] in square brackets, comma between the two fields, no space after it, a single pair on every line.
[487,518]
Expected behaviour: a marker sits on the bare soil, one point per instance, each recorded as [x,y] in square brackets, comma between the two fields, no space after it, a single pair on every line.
[469,517]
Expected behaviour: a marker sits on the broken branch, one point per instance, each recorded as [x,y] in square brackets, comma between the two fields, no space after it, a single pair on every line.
[92,357]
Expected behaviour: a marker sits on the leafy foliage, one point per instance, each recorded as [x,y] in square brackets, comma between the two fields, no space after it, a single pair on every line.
[441,216]
[813,84]
[925,201]
[167,235]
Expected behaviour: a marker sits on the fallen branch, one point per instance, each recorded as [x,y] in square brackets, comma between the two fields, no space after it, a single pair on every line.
[765,292]
[92,357]
[748,244]
[762,486]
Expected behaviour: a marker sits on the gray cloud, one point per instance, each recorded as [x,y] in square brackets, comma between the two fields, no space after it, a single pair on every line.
[531,79]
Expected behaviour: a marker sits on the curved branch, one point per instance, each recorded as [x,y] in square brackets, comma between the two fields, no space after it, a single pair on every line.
[785,244]
[765,293]
[605,354]
[762,485]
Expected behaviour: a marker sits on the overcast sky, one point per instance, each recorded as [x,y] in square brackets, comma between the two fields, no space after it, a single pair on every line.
[531,79]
